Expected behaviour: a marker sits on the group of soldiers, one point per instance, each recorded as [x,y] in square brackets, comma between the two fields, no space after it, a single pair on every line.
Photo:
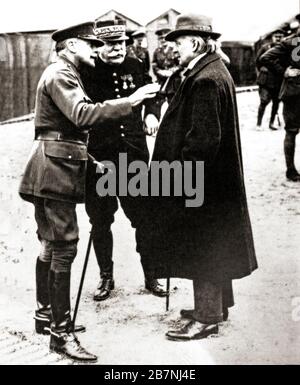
[279,80]
[98,101]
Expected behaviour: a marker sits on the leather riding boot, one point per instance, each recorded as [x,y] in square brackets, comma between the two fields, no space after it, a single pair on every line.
[63,340]
[43,313]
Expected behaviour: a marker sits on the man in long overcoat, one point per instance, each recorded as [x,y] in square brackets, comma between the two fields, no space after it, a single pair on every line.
[211,244]
[54,178]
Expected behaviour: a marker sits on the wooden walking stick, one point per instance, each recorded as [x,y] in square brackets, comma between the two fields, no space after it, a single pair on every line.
[88,251]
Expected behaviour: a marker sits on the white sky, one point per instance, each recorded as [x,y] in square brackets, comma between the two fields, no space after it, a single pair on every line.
[236,19]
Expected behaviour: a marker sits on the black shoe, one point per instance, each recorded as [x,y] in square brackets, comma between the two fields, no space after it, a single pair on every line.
[192,331]
[43,321]
[189,314]
[293,175]
[155,288]
[273,127]
[104,289]
[68,345]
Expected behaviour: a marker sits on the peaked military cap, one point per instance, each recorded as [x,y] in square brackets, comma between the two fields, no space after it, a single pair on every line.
[84,31]
[112,30]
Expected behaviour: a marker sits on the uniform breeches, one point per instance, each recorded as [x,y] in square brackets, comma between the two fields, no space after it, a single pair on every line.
[57,232]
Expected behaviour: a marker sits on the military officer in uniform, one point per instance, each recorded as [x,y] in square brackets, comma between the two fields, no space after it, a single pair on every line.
[165,58]
[54,178]
[116,76]
[138,50]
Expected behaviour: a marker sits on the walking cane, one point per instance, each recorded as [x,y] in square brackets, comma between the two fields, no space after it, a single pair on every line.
[168,294]
[88,250]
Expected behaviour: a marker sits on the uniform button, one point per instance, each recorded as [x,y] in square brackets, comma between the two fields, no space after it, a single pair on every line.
[122,135]
[70,156]
[122,127]
[118,96]
[117,90]
[114,75]
[116,82]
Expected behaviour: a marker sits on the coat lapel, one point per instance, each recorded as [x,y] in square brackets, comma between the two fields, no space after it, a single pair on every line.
[206,60]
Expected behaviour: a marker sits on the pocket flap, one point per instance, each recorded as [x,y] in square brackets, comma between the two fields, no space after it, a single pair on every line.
[64,150]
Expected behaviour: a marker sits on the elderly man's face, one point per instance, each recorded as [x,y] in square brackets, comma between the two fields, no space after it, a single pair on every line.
[187,48]
[113,52]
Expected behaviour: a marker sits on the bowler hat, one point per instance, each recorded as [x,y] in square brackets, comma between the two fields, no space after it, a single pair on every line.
[193,24]
[111,30]
[84,31]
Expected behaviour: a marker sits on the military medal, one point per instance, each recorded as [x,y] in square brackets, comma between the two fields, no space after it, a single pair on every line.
[130,79]
[124,78]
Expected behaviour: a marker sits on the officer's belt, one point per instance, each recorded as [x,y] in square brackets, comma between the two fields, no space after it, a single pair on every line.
[52,135]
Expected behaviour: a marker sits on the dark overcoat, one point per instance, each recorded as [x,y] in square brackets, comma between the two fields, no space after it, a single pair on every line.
[56,168]
[214,240]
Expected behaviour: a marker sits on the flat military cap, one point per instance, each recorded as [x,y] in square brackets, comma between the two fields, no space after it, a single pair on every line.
[139,33]
[162,32]
[112,30]
[193,24]
[84,31]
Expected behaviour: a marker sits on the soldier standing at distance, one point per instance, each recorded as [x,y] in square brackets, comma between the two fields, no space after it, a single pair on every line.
[269,83]
[165,58]
[116,76]
[284,60]
[54,178]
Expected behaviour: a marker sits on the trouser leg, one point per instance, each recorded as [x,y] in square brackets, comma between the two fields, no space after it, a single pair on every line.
[208,301]
[101,212]
[289,149]
[265,99]
[275,106]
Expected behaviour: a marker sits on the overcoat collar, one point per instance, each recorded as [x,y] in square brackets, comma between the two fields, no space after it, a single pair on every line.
[200,65]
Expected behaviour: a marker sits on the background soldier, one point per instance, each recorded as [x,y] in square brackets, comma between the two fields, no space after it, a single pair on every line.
[54,179]
[116,76]
[284,61]
[269,83]
[165,58]
[139,48]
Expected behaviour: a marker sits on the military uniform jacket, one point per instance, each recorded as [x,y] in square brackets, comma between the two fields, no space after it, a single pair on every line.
[163,59]
[267,78]
[56,168]
[125,134]
[140,53]
[279,58]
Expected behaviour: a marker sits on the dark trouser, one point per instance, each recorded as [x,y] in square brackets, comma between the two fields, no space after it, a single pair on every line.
[101,211]
[291,115]
[58,234]
[210,299]
[266,96]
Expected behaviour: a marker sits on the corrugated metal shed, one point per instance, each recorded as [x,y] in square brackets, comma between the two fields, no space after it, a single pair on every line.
[23,58]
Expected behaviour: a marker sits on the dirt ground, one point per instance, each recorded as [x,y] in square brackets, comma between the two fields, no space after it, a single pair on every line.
[129,328]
